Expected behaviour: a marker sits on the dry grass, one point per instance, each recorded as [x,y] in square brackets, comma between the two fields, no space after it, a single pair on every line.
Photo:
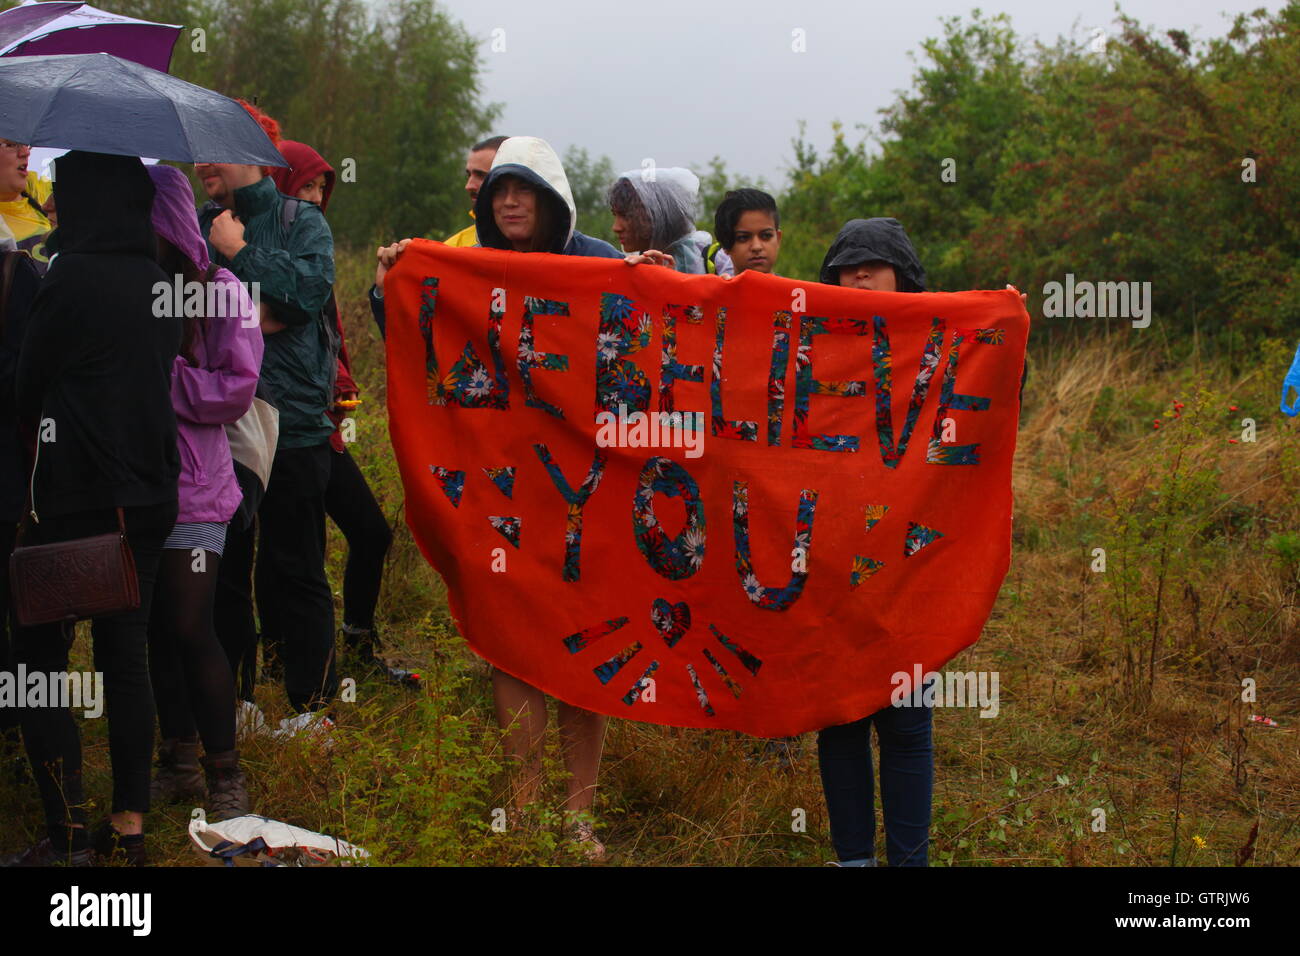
[415,777]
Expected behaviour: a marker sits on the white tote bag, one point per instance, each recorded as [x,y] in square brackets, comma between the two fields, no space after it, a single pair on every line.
[253,439]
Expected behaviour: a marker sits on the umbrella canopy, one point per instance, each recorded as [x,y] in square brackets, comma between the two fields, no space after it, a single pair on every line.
[100,103]
[41,29]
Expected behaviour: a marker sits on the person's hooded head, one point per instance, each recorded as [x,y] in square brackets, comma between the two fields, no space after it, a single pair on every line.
[655,207]
[181,249]
[307,176]
[104,204]
[525,202]
[862,250]
[173,216]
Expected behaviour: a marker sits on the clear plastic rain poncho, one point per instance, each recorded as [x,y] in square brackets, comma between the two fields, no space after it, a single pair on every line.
[661,202]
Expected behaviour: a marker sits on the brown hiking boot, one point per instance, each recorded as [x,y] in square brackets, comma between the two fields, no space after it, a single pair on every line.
[177,776]
[109,846]
[227,791]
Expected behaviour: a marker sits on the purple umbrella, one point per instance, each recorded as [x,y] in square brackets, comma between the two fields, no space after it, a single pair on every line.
[36,29]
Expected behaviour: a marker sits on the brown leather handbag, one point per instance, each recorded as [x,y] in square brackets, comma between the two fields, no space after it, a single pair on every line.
[69,581]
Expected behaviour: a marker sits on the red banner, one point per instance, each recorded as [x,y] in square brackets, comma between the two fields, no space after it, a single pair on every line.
[701,502]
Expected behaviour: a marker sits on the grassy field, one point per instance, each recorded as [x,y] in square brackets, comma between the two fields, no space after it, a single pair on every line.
[1121,690]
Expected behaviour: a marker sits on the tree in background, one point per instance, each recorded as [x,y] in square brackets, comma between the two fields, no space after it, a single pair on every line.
[389,95]
[589,181]
[1124,163]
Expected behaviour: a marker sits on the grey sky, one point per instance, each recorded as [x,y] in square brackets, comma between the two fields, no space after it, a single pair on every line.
[682,80]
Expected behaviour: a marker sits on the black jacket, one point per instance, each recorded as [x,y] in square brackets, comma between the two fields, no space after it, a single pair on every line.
[96,362]
[15,464]
[867,240]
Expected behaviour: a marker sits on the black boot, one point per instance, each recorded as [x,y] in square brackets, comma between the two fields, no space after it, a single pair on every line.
[177,776]
[107,844]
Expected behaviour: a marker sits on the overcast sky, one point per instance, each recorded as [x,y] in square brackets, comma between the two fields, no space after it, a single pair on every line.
[682,80]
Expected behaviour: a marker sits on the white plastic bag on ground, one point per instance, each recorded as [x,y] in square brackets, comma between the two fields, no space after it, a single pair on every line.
[260,841]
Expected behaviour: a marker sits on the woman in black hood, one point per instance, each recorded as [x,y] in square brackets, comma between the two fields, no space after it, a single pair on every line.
[95,370]
[876,255]
[865,253]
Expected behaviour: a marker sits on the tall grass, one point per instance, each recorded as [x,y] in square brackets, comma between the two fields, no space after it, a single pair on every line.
[1121,689]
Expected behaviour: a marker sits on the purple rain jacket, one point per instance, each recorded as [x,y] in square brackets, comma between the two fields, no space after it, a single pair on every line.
[229,352]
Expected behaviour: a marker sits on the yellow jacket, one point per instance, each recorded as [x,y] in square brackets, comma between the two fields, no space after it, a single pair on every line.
[27,223]
[466,237]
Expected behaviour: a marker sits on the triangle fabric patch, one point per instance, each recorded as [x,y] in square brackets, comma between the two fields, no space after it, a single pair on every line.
[452,482]
[863,568]
[507,527]
[503,478]
[918,537]
[874,514]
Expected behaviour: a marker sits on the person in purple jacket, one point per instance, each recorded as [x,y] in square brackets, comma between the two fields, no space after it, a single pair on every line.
[213,381]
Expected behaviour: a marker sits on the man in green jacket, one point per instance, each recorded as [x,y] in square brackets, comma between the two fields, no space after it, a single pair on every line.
[286,256]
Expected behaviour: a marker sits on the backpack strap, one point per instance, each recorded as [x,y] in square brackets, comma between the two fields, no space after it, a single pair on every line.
[35,205]
[289,212]
[710,254]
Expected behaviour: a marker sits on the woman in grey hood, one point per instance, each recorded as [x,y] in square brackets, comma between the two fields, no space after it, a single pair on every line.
[654,209]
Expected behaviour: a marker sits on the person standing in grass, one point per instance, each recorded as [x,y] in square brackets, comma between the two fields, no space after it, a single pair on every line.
[348,498]
[290,254]
[526,205]
[213,381]
[96,364]
[877,255]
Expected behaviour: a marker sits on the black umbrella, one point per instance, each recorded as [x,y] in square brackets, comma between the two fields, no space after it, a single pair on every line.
[96,102]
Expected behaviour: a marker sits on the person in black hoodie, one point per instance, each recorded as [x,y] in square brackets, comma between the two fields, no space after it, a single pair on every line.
[876,255]
[95,369]
[18,283]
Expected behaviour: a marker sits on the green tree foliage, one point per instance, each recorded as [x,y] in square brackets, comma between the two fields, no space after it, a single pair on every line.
[589,180]
[1122,165]
[395,89]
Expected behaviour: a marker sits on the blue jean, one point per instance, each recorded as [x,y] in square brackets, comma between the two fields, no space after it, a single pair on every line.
[906,784]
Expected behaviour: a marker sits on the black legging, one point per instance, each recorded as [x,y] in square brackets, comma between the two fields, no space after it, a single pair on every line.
[294,600]
[233,606]
[120,654]
[192,684]
[8,715]
[352,506]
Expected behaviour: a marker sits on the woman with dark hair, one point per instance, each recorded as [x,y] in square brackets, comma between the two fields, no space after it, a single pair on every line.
[95,370]
[525,205]
[213,381]
[654,214]
[348,499]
